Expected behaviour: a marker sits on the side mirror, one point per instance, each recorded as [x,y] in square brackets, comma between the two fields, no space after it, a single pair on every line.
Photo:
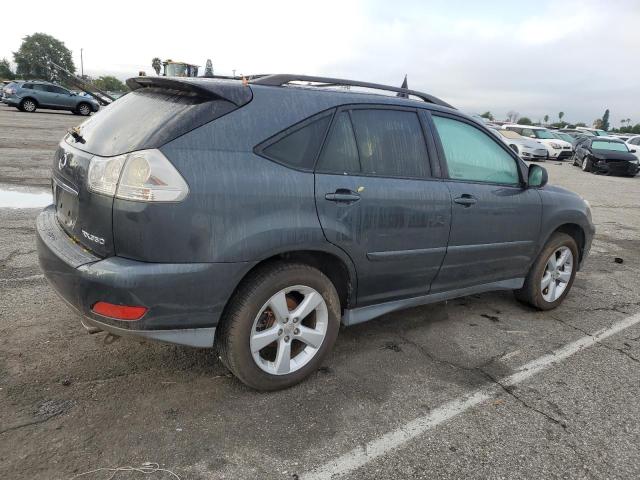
[73,94]
[538,176]
[514,148]
[633,150]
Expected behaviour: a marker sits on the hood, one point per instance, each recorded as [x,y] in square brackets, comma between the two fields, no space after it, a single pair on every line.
[530,143]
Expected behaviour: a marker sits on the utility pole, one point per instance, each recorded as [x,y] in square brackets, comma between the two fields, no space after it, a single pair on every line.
[234,73]
[81,65]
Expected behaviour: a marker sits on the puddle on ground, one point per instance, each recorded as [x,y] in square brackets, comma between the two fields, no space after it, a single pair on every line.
[12,196]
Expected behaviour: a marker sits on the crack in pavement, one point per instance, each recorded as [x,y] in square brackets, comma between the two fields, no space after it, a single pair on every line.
[600,343]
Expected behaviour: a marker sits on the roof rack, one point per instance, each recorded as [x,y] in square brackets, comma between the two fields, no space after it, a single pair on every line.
[282,79]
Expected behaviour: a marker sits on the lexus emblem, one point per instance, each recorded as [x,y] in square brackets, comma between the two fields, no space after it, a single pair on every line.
[62,162]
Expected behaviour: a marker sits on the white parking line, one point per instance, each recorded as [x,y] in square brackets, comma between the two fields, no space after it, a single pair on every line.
[360,456]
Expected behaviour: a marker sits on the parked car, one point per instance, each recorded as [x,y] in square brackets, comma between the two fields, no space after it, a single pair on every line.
[7,86]
[633,143]
[558,149]
[28,96]
[606,155]
[193,214]
[598,132]
[574,133]
[526,148]
[563,136]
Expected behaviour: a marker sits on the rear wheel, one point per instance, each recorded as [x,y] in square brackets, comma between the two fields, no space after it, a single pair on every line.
[84,109]
[552,274]
[28,105]
[279,326]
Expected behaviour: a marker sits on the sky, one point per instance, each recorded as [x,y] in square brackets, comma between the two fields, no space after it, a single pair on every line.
[534,57]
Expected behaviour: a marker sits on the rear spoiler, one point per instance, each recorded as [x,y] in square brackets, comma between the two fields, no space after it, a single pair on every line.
[232,91]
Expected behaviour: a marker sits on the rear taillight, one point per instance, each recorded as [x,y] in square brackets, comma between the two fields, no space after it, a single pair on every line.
[144,176]
[119,312]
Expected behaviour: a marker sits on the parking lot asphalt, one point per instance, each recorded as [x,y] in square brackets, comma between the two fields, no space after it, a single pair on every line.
[479,387]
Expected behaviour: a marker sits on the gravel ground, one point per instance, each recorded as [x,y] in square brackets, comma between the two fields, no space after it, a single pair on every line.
[71,404]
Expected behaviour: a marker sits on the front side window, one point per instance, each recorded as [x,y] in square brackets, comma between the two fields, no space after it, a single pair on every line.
[474,156]
[390,143]
[299,148]
[40,88]
[54,89]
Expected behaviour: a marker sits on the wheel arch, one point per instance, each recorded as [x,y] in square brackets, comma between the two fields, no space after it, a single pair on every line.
[575,231]
[335,265]
[29,97]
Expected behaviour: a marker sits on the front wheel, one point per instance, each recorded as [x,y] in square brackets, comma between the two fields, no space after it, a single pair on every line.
[279,326]
[552,274]
[586,164]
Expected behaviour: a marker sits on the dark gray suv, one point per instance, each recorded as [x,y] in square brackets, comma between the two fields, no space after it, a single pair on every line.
[255,217]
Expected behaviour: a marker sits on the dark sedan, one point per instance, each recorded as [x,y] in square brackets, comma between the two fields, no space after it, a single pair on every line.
[606,155]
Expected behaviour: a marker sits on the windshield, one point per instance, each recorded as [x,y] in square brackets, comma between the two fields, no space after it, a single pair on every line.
[543,134]
[509,134]
[610,146]
[565,136]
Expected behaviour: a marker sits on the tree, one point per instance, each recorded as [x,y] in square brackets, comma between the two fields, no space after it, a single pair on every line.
[33,58]
[605,120]
[208,70]
[156,63]
[560,115]
[546,119]
[110,84]
[512,116]
[488,115]
[5,70]
[581,124]
[597,123]
[525,121]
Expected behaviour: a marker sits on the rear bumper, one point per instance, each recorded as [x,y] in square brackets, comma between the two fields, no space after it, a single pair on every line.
[184,301]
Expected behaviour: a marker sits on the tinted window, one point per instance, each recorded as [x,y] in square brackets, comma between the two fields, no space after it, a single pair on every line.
[27,86]
[635,141]
[40,88]
[299,149]
[390,143]
[472,155]
[54,89]
[340,153]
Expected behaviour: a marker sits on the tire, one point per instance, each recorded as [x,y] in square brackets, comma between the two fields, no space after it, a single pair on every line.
[586,164]
[249,313]
[28,105]
[83,109]
[532,292]
[575,160]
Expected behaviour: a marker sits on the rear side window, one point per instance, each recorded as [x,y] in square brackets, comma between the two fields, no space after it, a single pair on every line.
[54,89]
[340,153]
[299,148]
[390,143]
[27,86]
[474,156]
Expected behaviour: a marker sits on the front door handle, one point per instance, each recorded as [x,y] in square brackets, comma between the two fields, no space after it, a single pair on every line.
[466,200]
[342,195]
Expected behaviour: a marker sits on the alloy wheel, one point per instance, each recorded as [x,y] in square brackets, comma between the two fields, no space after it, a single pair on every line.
[84,109]
[29,106]
[289,330]
[557,274]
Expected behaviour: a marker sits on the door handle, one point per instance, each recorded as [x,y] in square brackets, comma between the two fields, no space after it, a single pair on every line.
[466,200]
[342,195]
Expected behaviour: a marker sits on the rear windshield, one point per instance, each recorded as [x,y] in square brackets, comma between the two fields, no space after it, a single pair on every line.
[146,118]
[611,146]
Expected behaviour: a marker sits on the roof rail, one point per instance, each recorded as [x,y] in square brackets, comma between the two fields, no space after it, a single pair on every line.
[278,80]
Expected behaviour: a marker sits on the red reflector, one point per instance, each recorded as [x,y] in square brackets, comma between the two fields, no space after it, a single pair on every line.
[119,312]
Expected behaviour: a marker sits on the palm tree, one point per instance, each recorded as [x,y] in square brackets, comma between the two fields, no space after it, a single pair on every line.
[546,119]
[156,63]
[560,115]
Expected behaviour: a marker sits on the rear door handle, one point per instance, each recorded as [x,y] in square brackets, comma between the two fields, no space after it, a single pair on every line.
[466,200]
[342,196]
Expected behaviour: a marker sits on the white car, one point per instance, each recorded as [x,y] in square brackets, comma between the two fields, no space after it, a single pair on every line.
[558,149]
[633,143]
[526,148]
[596,131]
